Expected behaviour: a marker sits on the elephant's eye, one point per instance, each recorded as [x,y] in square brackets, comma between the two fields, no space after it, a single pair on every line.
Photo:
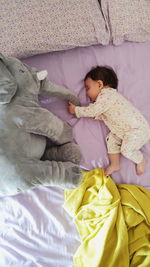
[21,70]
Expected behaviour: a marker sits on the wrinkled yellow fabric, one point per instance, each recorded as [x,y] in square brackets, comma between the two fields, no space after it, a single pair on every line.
[113,222]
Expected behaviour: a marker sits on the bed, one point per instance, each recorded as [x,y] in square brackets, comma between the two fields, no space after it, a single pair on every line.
[35,230]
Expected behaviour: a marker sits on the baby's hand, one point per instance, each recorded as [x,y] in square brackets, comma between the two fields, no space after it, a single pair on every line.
[71,108]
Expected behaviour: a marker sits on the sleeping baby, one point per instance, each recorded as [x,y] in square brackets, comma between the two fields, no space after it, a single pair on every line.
[129,130]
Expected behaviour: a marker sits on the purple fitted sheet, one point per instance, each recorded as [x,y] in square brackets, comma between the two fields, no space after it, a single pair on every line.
[35,231]
[131,61]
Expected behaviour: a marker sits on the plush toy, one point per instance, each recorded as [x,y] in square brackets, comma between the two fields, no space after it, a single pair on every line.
[26,159]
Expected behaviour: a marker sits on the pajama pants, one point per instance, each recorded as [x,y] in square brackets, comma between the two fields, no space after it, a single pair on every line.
[129,145]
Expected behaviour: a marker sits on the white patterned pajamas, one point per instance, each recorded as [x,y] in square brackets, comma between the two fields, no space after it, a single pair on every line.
[129,130]
[128,146]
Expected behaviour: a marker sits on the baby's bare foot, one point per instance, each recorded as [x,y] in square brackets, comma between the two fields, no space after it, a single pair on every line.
[111,168]
[140,166]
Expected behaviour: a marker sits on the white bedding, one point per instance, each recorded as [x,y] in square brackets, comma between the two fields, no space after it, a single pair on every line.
[35,231]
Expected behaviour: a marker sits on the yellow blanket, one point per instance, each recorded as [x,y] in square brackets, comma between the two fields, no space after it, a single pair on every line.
[113,222]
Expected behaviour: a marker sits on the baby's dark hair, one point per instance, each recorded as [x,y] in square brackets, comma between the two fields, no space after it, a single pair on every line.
[105,74]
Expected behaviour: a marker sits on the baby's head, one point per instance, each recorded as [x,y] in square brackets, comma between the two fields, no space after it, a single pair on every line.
[98,78]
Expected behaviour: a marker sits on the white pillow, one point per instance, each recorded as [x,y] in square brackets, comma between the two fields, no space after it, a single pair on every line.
[128,20]
[33,27]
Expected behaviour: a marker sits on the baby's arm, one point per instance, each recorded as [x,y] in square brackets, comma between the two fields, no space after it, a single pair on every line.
[89,111]
[103,103]
[71,108]
[81,111]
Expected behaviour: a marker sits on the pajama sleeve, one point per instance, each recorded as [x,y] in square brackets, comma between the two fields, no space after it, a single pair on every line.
[103,103]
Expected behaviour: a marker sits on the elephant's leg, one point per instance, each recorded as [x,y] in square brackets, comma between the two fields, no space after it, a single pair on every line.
[66,152]
[66,175]
[40,121]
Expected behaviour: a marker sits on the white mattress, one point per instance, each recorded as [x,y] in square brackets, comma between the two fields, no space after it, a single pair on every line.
[35,231]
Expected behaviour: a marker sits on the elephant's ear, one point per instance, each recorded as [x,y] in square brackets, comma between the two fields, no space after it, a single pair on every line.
[8,85]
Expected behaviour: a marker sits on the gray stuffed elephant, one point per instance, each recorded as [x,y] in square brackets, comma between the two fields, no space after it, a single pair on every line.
[26,158]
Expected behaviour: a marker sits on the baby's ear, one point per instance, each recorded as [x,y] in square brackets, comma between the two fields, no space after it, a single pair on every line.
[8,85]
[100,83]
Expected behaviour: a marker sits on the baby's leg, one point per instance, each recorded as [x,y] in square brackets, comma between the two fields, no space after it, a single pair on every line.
[113,146]
[141,166]
[114,163]
[131,144]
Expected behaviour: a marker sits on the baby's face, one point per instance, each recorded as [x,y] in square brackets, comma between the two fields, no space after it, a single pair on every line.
[92,88]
